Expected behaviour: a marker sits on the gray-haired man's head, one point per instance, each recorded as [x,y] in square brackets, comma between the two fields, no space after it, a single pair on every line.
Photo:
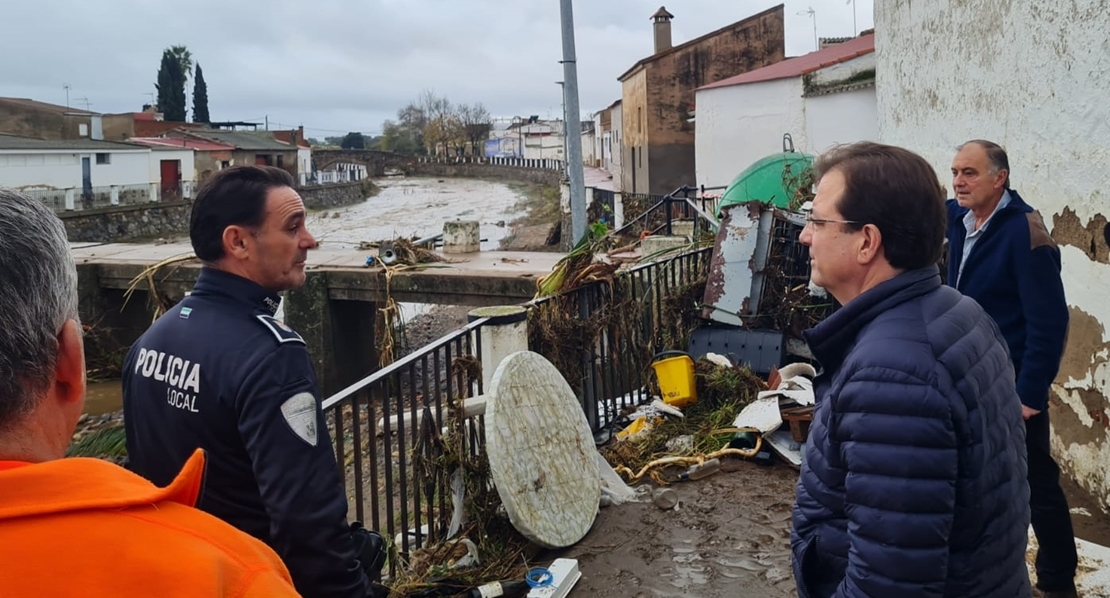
[38,294]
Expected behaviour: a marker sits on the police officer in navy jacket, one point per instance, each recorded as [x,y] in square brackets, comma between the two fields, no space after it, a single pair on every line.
[220,373]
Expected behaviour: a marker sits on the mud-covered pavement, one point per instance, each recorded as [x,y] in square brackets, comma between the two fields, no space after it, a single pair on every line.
[729,536]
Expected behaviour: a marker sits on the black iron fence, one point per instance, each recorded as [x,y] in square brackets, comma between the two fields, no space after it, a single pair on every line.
[380,424]
[661,214]
[386,427]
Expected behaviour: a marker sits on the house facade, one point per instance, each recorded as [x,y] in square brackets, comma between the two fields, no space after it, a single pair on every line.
[249,148]
[296,138]
[75,173]
[820,99]
[208,156]
[148,123]
[658,94]
[1034,80]
[24,117]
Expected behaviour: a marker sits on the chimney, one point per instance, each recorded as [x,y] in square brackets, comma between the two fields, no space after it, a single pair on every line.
[662,20]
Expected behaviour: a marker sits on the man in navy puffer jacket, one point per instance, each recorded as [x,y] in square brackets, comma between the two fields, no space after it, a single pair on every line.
[914,480]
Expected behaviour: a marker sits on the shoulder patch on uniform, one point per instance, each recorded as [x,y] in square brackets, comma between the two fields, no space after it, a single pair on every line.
[1038,232]
[283,333]
[299,412]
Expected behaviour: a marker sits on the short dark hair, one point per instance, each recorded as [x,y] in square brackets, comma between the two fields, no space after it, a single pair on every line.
[897,191]
[996,156]
[234,196]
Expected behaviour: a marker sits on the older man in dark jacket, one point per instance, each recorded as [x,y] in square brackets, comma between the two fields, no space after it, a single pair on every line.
[914,481]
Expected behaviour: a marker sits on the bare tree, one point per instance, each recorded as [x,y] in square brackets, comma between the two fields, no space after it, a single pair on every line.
[441,125]
[476,124]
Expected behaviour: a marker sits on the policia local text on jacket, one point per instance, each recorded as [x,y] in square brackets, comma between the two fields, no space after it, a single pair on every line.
[218,372]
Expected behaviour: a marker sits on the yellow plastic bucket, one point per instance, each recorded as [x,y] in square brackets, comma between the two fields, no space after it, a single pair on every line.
[676,378]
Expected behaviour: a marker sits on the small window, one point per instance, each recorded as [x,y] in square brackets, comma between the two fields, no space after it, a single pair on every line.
[82,130]
[103,158]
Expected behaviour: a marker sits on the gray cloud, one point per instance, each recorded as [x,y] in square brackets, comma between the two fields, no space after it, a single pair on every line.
[338,65]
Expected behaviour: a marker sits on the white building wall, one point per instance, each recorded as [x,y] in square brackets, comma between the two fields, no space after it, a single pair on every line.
[304,160]
[589,149]
[22,169]
[1034,77]
[841,117]
[62,169]
[124,168]
[617,123]
[737,125]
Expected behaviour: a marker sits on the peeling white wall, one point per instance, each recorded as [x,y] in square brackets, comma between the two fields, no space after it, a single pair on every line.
[1034,77]
[737,125]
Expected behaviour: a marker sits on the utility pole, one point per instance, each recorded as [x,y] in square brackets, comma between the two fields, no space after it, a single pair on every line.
[65,86]
[566,138]
[574,142]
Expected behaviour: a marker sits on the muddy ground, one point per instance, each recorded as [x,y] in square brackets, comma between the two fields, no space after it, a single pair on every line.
[729,536]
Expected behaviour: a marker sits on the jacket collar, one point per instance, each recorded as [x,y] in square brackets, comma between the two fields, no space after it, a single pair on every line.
[831,339]
[75,484]
[231,286]
[1016,205]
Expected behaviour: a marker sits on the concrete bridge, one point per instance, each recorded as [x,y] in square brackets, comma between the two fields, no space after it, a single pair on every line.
[335,311]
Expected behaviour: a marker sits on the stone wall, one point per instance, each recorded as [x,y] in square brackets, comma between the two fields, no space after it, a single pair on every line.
[336,195]
[122,223]
[148,221]
[490,171]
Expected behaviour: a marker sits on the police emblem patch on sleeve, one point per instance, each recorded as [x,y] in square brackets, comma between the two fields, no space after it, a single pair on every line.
[299,412]
[283,333]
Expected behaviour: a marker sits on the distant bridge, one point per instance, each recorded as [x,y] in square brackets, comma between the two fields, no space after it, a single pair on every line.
[376,162]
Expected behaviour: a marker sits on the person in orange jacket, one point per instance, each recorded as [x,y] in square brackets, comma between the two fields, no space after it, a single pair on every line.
[85,527]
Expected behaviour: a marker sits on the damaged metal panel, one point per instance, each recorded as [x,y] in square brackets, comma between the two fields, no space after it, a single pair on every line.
[739,255]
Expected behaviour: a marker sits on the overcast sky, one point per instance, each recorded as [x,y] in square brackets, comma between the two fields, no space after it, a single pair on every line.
[341,65]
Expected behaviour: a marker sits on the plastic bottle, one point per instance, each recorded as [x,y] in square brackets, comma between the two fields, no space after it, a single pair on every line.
[498,588]
[697,472]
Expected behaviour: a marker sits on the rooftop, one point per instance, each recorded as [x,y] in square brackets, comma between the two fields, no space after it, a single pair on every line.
[242,140]
[200,145]
[29,104]
[14,142]
[802,65]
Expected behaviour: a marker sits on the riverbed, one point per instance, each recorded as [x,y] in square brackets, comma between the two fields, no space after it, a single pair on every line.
[418,207]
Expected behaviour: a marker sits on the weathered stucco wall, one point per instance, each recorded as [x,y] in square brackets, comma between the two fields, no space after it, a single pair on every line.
[634,137]
[1032,76]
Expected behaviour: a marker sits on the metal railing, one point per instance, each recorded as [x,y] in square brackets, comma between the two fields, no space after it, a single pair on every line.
[386,427]
[662,215]
[376,436]
[78,199]
[620,327]
[533,163]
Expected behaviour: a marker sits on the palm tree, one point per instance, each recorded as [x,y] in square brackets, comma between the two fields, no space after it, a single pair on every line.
[183,56]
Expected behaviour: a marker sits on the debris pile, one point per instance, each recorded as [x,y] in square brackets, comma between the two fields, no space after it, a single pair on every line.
[665,444]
